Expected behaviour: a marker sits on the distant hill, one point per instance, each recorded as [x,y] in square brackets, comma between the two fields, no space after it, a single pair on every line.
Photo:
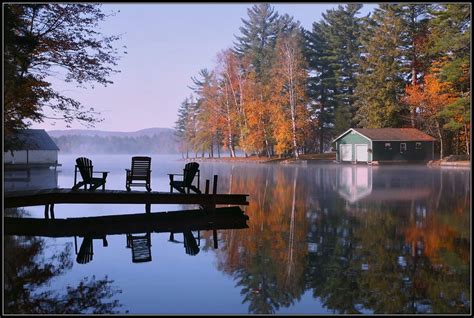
[149,140]
[103,133]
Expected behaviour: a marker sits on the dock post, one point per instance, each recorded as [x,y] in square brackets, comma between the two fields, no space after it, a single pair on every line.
[46,208]
[147,207]
[213,208]
[51,210]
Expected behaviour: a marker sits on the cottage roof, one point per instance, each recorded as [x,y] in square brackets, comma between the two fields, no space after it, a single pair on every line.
[391,134]
[34,139]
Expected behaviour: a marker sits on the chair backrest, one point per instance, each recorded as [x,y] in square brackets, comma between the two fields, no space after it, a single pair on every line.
[85,168]
[141,166]
[189,172]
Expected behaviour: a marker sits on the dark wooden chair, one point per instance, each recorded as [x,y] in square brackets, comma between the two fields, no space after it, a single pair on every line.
[190,171]
[86,169]
[140,171]
[141,247]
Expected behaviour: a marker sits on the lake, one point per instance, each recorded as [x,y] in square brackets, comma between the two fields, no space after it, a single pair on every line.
[322,238]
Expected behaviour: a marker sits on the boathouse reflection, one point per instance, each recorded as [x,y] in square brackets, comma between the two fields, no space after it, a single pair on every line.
[16,179]
[374,183]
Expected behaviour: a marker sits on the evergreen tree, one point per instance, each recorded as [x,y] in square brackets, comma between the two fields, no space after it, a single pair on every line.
[259,34]
[416,57]
[321,82]
[380,84]
[342,35]
[181,125]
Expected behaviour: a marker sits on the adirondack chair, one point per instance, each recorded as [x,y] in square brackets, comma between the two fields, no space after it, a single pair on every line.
[140,245]
[140,171]
[85,167]
[190,171]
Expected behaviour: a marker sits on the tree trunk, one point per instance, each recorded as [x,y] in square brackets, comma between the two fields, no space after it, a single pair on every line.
[467,139]
[440,140]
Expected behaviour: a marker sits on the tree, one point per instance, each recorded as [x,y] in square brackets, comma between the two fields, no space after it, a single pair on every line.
[332,49]
[259,35]
[289,82]
[42,40]
[431,98]
[415,35]
[380,85]
[321,82]
[342,34]
[450,43]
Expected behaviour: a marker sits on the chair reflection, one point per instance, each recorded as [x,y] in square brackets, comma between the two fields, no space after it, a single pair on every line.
[141,247]
[86,251]
[191,245]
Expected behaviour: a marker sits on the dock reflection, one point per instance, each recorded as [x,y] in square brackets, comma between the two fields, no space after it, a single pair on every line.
[136,228]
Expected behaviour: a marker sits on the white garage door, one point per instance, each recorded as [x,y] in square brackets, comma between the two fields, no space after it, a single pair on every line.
[345,151]
[361,153]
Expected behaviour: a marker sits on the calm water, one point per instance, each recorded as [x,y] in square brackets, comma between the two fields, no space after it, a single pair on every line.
[322,238]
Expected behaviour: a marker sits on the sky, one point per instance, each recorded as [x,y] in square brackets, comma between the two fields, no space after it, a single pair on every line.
[166,45]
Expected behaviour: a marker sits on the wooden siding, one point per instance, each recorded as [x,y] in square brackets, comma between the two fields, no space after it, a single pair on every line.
[380,153]
[353,139]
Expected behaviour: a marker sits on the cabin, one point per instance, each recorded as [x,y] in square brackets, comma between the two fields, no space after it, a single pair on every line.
[380,145]
[33,148]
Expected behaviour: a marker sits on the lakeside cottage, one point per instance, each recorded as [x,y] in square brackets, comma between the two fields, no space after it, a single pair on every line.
[34,148]
[373,145]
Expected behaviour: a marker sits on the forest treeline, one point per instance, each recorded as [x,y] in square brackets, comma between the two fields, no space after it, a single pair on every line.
[285,90]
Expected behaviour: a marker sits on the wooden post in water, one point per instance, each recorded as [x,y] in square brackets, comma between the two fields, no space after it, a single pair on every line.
[213,208]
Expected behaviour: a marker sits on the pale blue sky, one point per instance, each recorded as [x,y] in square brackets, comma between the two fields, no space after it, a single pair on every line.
[166,45]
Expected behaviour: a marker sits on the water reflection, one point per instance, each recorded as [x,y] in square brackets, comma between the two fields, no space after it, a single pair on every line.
[320,239]
[28,273]
[30,179]
[399,249]
[137,229]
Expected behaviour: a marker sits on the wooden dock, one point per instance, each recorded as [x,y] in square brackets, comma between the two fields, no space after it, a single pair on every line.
[67,196]
[175,221]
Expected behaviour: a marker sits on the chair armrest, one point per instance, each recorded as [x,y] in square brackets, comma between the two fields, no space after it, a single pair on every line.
[175,174]
[101,171]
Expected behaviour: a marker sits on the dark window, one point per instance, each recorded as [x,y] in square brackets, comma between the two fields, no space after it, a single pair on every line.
[403,147]
[418,146]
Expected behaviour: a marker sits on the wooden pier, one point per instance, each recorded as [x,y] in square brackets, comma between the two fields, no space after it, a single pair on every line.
[67,196]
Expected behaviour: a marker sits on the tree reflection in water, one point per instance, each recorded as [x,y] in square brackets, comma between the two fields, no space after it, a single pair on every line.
[390,255]
[27,272]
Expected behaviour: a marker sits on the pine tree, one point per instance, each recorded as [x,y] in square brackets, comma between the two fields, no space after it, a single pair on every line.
[259,35]
[450,43]
[181,126]
[342,35]
[380,84]
[321,82]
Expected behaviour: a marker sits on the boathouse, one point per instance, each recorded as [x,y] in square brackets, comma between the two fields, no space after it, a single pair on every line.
[374,145]
[32,147]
